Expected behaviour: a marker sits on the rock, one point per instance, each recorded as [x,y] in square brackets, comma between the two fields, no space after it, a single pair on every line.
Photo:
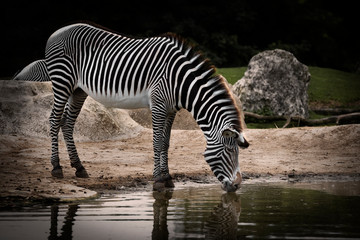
[275,83]
[25,109]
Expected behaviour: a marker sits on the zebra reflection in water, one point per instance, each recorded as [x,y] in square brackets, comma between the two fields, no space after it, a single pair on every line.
[66,230]
[160,227]
[221,224]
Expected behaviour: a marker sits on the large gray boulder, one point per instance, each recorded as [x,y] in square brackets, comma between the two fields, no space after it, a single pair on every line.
[25,109]
[275,83]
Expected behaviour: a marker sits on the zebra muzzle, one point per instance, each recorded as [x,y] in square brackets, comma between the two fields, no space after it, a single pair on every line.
[238,179]
[232,186]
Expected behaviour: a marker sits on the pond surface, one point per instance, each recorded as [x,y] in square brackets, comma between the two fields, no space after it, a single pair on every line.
[257,211]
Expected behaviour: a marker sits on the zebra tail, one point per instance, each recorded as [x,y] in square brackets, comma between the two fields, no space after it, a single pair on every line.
[35,71]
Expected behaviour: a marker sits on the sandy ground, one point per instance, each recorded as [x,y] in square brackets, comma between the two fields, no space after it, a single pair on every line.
[280,154]
[119,156]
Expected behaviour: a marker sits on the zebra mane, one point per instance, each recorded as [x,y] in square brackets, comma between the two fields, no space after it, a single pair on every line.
[237,123]
[194,52]
[219,80]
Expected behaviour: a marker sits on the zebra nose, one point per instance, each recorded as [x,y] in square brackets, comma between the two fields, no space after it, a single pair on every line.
[229,187]
[238,179]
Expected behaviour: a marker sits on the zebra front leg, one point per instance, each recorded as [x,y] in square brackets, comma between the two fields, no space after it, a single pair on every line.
[158,119]
[162,122]
[164,167]
[71,113]
[157,142]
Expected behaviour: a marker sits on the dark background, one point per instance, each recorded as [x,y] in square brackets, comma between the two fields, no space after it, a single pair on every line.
[318,32]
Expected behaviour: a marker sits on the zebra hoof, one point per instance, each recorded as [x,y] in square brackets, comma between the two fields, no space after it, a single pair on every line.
[81,173]
[57,172]
[169,184]
[159,186]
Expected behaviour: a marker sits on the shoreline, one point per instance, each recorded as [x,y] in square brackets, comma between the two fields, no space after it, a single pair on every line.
[320,182]
[306,154]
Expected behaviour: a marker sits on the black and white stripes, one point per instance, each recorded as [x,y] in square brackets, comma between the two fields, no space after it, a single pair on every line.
[162,73]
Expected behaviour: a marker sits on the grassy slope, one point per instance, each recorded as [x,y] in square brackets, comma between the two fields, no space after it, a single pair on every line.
[232,74]
[333,85]
[326,85]
[332,88]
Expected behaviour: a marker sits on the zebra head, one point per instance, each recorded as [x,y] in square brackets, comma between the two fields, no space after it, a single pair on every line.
[222,156]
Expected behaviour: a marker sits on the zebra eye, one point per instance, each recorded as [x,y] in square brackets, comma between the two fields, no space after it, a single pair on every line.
[229,149]
[221,178]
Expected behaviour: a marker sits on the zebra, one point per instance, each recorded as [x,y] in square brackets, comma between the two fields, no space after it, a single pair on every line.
[163,73]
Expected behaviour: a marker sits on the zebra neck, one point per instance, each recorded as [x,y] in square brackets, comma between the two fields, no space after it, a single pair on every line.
[212,127]
[212,107]
[214,117]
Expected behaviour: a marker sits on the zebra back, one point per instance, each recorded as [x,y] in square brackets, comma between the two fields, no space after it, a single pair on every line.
[111,66]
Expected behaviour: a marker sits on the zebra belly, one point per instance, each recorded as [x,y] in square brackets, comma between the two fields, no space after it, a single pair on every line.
[140,100]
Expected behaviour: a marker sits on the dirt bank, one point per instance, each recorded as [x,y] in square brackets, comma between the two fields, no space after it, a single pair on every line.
[280,154]
[118,154]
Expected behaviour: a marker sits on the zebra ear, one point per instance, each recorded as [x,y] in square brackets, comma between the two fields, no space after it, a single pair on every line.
[230,132]
[242,141]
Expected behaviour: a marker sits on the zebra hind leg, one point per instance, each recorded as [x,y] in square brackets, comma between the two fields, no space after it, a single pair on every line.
[72,110]
[55,121]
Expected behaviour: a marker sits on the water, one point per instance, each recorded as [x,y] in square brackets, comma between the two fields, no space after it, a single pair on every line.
[270,211]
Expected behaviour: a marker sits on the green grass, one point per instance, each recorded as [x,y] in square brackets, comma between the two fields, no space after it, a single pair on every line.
[326,85]
[331,87]
[232,74]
